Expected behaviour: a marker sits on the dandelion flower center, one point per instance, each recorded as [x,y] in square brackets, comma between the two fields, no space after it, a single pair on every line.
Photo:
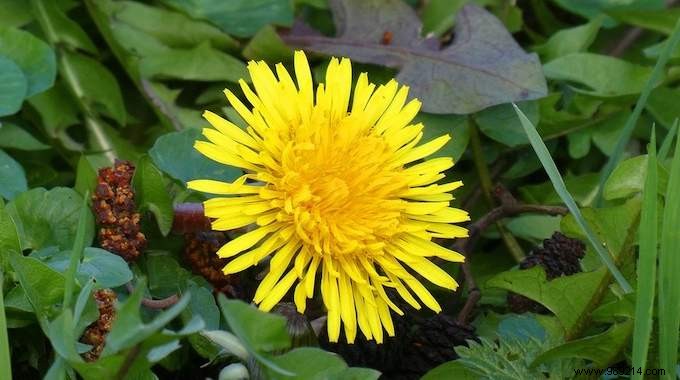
[342,196]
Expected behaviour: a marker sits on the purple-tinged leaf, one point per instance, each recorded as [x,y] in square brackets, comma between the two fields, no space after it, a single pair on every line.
[483,66]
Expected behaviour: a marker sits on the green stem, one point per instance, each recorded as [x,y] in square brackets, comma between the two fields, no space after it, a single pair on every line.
[487,185]
[5,360]
[76,254]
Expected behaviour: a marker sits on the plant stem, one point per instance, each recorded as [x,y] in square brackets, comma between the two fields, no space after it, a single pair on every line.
[5,360]
[485,181]
[76,254]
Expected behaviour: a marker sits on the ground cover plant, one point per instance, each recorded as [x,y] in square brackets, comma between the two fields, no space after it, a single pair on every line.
[339,189]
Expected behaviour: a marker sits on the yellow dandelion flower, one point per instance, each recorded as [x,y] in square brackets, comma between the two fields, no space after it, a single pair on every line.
[335,185]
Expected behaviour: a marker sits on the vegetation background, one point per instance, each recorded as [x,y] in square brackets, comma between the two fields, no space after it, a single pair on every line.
[588,151]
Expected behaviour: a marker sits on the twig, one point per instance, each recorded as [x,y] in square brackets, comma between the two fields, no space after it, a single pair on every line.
[509,206]
[152,303]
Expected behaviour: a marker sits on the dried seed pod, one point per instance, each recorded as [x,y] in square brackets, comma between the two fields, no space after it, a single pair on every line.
[114,207]
[95,334]
[200,253]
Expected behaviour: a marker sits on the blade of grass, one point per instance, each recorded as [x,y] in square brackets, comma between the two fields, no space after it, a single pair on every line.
[646,281]
[616,155]
[561,189]
[5,361]
[669,267]
[668,142]
[76,254]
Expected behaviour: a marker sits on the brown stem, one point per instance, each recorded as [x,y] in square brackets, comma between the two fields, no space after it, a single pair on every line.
[509,206]
[189,218]
[152,303]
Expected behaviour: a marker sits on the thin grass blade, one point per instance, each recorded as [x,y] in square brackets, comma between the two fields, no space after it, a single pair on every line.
[653,80]
[669,268]
[5,361]
[561,189]
[76,254]
[668,142]
[646,280]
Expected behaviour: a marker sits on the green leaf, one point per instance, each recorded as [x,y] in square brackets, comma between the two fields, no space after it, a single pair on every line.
[655,76]
[66,31]
[662,20]
[501,124]
[261,331]
[602,349]
[669,267]
[308,363]
[86,176]
[128,328]
[13,86]
[108,269]
[12,177]
[440,15]
[35,58]
[455,126]
[471,64]
[561,189]
[591,9]
[629,178]
[57,112]
[202,63]
[84,221]
[267,45]
[166,276]
[448,370]
[43,285]
[5,360]
[11,136]
[567,297]
[175,155]
[15,13]
[163,25]
[151,193]
[241,18]
[97,85]
[599,75]
[48,217]
[646,279]
[9,238]
[570,40]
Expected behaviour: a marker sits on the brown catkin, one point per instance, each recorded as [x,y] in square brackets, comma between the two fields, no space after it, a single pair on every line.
[114,207]
[200,252]
[95,334]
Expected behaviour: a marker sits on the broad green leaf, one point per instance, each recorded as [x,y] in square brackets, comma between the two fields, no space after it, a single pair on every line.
[163,25]
[309,363]
[602,349]
[660,104]
[669,267]
[11,136]
[12,177]
[455,126]
[57,111]
[629,178]
[151,193]
[261,331]
[13,86]
[86,176]
[646,279]
[48,217]
[97,85]
[662,20]
[61,333]
[440,15]
[572,40]
[533,228]
[448,370]
[599,75]
[43,285]
[241,18]
[567,297]
[501,124]
[9,238]
[15,13]
[166,276]
[355,373]
[471,64]
[175,155]
[203,304]
[202,63]
[108,269]
[561,189]
[35,58]
[594,8]
[267,45]
[583,188]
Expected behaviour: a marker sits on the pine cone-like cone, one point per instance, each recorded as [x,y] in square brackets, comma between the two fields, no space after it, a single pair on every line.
[95,334]
[200,252]
[559,256]
[114,207]
[419,345]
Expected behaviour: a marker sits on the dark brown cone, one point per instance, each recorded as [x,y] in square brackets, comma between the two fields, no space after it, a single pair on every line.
[114,207]
[95,334]
[200,253]
[559,256]
[419,345]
